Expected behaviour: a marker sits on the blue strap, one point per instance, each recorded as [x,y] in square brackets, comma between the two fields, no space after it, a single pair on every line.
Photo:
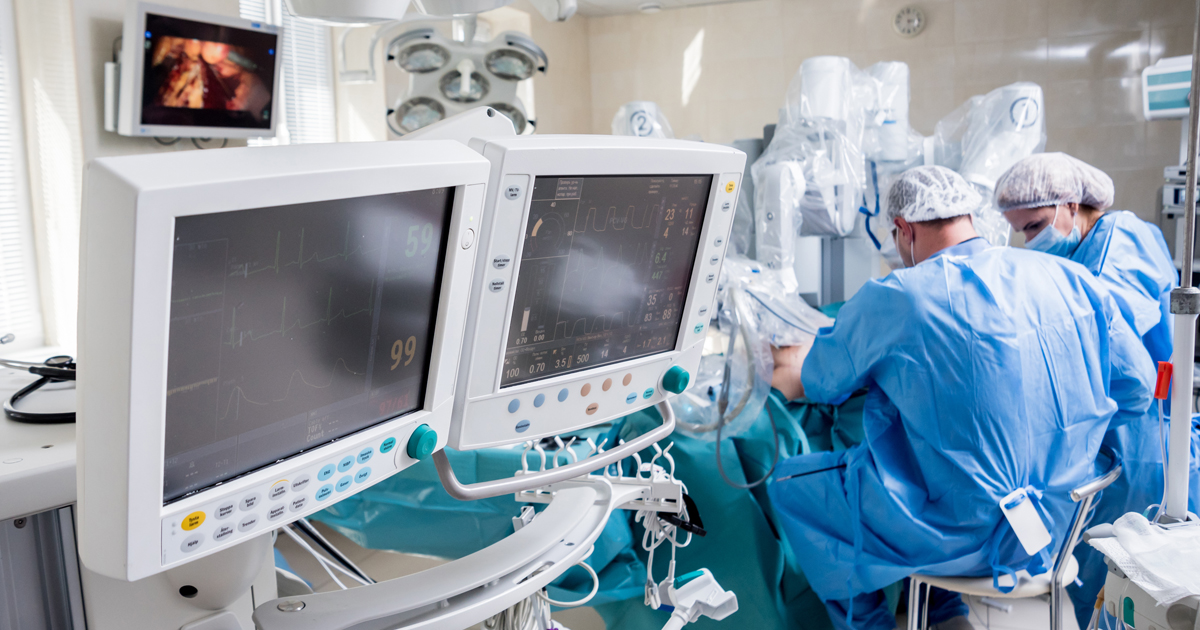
[863,209]
[854,490]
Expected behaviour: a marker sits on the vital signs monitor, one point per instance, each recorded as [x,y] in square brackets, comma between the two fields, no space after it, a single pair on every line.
[599,264]
[263,331]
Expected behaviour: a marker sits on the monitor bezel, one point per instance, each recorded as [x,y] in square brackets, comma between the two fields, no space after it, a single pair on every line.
[133,61]
[137,199]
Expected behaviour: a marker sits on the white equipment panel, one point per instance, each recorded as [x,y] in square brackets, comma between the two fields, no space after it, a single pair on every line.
[131,522]
[505,396]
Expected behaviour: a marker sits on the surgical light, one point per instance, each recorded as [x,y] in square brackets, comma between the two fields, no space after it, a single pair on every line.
[421,58]
[419,112]
[510,64]
[456,86]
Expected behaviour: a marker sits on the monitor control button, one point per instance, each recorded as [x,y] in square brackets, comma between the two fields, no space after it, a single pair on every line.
[344,483]
[496,285]
[300,483]
[514,405]
[225,510]
[278,490]
[703,311]
[248,523]
[586,389]
[562,394]
[607,384]
[223,532]
[501,261]
[512,192]
[648,393]
[362,475]
[326,472]
[714,260]
[387,445]
[591,409]
[191,543]
[365,455]
[346,464]
[710,277]
[698,328]
[420,444]
[324,492]
[726,206]
[717,242]
[250,501]
[676,380]
[627,380]
[631,398]
[468,238]
[539,400]
[192,521]
[299,502]
[276,512]
[522,426]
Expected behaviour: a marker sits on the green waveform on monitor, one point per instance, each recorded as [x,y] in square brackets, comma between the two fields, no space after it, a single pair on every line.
[238,338]
[300,260]
[238,394]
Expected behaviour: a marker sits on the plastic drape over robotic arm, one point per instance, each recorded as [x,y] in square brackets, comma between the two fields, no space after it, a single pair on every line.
[643,119]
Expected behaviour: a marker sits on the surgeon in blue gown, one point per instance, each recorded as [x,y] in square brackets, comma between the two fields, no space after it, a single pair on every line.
[1060,203]
[988,370]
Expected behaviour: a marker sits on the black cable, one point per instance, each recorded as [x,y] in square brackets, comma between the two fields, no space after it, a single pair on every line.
[167,143]
[224,142]
[774,463]
[311,532]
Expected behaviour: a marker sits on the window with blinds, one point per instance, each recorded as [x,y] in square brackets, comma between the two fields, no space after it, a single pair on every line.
[20,307]
[306,88]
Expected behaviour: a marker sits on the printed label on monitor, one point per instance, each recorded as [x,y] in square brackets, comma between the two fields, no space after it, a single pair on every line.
[293,326]
[605,270]
[206,75]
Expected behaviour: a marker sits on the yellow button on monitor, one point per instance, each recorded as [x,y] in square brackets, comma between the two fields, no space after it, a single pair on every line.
[193,520]
[729,187]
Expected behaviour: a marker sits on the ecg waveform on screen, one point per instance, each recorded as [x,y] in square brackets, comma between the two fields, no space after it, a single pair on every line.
[237,395]
[237,338]
[614,218]
[245,271]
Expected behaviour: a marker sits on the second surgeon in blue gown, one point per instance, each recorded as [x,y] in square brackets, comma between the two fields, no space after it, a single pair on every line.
[1060,204]
[988,370]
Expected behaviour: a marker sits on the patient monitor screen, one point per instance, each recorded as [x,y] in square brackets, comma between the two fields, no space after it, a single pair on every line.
[605,270]
[293,326]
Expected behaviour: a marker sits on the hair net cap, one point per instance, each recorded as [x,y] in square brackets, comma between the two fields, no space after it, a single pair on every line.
[927,193]
[1052,179]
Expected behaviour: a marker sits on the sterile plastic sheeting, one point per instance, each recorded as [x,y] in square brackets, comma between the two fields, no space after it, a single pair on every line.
[886,136]
[779,195]
[755,306]
[411,513]
[821,130]
[983,138]
[643,119]
[1169,560]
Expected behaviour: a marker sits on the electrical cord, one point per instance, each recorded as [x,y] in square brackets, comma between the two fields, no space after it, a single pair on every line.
[167,143]
[586,599]
[196,143]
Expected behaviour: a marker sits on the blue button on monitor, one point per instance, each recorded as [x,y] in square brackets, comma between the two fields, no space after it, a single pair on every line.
[344,483]
[631,397]
[346,464]
[539,400]
[324,492]
[514,405]
[364,455]
[362,475]
[387,445]
[648,393]
[562,394]
[326,472]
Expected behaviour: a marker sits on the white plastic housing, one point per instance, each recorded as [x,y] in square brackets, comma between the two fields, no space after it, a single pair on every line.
[481,411]
[129,117]
[126,256]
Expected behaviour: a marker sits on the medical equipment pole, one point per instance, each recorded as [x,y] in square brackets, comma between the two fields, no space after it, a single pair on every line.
[1185,305]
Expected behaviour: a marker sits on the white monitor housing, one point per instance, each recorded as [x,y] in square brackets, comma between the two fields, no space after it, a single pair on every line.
[600,262]
[263,331]
[186,73]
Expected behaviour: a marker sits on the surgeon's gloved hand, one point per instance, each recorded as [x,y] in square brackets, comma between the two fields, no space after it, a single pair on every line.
[788,363]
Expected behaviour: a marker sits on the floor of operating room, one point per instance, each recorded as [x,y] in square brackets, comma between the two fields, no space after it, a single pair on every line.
[1026,614]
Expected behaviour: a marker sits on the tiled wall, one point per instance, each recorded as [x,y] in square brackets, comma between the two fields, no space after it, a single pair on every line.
[1086,54]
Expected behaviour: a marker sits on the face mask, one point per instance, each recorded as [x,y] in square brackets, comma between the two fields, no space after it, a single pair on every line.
[1051,241]
[890,254]
[899,263]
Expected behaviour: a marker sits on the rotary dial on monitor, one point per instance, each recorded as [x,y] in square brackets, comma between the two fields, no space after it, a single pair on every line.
[909,22]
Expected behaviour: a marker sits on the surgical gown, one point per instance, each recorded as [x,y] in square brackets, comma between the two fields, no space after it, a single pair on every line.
[1131,259]
[988,370]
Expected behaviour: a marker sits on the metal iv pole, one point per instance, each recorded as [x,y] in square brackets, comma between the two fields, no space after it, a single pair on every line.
[1185,305]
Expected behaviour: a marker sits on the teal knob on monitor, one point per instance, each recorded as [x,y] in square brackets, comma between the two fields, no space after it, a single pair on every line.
[422,442]
[676,380]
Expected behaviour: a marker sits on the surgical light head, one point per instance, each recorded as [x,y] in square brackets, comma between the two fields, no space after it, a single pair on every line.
[926,193]
[1053,179]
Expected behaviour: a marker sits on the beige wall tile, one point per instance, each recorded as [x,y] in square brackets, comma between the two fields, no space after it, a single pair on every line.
[1170,41]
[999,20]
[1138,190]
[1103,55]
[1001,63]
[1082,17]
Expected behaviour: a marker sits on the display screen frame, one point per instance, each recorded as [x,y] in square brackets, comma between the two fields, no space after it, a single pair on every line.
[454,200]
[705,207]
[133,70]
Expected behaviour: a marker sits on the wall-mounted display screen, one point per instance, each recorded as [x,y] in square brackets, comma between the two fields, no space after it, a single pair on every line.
[605,270]
[207,75]
[293,326]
